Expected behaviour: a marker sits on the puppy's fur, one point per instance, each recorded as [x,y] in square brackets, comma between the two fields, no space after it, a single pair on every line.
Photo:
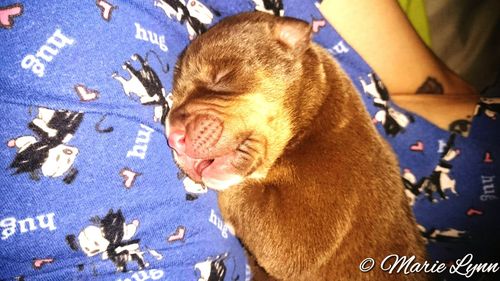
[308,184]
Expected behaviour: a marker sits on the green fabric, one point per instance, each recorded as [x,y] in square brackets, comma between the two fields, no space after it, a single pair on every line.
[415,11]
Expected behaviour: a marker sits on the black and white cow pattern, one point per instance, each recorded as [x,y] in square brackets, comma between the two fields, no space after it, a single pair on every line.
[488,106]
[193,190]
[146,85]
[411,189]
[274,7]
[111,237]
[47,151]
[393,121]
[212,269]
[438,181]
[446,235]
[192,13]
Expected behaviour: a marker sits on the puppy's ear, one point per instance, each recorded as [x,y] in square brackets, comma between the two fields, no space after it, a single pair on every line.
[293,33]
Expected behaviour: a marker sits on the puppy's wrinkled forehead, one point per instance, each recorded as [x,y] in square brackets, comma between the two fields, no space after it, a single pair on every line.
[240,52]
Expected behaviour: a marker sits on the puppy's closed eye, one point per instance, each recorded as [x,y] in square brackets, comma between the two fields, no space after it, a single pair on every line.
[221,76]
[229,80]
[211,94]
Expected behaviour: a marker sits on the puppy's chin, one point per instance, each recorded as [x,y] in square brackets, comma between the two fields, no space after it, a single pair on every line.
[223,183]
[218,174]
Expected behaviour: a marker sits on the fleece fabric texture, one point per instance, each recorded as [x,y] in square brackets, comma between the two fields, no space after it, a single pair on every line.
[88,186]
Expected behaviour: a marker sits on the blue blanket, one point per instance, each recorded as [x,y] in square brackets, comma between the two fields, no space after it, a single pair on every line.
[89,189]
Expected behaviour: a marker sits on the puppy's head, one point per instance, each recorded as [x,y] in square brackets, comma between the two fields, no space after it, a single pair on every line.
[236,94]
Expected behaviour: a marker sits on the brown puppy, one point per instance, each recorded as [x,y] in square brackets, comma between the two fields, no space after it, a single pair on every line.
[265,115]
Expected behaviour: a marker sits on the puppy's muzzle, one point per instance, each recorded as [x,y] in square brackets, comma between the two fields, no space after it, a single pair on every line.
[198,138]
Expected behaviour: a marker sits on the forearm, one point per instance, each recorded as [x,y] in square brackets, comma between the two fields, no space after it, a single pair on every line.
[380,32]
[447,112]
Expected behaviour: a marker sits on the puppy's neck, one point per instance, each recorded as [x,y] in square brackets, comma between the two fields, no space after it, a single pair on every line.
[321,100]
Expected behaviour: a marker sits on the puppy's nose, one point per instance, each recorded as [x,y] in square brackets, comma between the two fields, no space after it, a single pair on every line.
[202,134]
[177,141]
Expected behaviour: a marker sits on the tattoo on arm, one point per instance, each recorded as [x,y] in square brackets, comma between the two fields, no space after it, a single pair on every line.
[431,86]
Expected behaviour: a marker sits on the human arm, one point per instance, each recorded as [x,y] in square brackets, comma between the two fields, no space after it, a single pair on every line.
[380,32]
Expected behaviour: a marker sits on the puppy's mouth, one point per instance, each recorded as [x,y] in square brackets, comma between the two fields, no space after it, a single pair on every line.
[221,172]
[201,165]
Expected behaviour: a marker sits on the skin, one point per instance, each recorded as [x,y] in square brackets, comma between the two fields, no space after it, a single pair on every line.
[319,190]
[401,59]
